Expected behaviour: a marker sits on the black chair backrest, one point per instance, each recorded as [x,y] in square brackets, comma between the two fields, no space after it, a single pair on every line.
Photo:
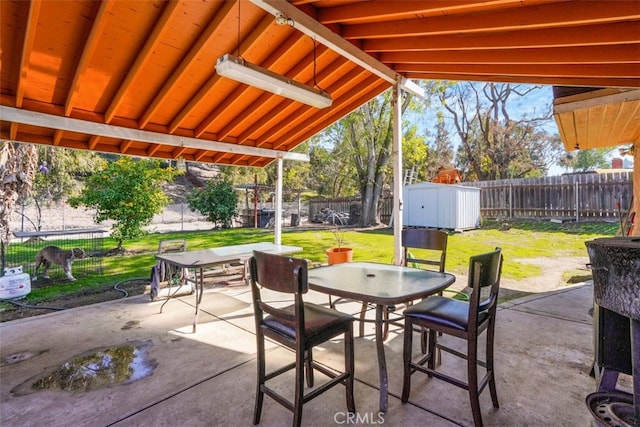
[281,274]
[484,272]
[425,238]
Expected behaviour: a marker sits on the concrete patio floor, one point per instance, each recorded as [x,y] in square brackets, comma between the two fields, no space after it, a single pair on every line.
[544,351]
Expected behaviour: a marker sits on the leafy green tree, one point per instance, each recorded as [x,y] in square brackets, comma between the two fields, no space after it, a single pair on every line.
[586,160]
[59,175]
[128,192]
[217,200]
[364,139]
[415,152]
[332,171]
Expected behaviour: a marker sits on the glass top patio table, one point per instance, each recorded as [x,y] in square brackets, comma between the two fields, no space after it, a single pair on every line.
[206,258]
[379,284]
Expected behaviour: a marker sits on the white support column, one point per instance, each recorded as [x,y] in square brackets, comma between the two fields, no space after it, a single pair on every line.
[397,175]
[278,212]
[636,189]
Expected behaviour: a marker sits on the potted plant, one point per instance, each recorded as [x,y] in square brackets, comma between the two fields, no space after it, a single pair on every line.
[339,254]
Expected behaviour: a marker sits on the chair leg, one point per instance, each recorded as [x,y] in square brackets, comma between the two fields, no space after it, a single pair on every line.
[492,376]
[432,349]
[472,374]
[424,340]
[385,318]
[309,367]
[363,313]
[406,359]
[299,388]
[349,362]
[257,411]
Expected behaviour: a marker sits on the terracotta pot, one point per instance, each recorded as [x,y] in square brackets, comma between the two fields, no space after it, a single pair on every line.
[339,255]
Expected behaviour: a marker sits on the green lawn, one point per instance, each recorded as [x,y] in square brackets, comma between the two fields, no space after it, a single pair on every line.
[522,240]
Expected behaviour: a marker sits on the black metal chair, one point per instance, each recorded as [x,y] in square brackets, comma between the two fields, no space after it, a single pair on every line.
[300,327]
[466,320]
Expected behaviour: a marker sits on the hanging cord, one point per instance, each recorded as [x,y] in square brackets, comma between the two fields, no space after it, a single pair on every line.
[315,82]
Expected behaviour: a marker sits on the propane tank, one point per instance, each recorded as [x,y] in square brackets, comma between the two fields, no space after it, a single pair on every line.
[14,284]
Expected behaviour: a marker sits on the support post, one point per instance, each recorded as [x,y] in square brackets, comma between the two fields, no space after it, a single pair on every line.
[278,211]
[255,200]
[636,189]
[397,175]
[577,201]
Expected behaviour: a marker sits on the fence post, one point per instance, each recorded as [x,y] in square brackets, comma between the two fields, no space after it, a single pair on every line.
[510,200]
[577,201]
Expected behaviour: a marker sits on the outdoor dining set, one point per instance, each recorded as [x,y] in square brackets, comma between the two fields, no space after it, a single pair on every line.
[413,295]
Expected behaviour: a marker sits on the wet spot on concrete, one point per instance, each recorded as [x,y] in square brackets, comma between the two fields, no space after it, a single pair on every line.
[94,369]
[130,325]
[20,357]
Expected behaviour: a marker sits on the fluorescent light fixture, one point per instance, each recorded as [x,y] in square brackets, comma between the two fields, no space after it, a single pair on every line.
[238,69]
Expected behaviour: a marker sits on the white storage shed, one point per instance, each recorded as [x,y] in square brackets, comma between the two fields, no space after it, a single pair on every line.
[454,207]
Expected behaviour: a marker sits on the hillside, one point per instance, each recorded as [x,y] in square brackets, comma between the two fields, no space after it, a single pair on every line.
[60,216]
[198,174]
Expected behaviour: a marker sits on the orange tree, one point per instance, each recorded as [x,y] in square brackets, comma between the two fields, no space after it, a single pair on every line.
[217,200]
[128,192]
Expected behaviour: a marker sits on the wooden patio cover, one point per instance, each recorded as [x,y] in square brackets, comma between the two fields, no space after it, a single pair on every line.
[137,77]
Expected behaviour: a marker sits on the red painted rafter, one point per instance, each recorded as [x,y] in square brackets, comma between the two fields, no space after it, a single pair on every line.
[160,29]
[189,60]
[552,15]
[27,47]
[99,23]
[620,33]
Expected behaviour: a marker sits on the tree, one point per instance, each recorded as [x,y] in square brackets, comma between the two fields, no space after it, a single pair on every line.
[493,145]
[333,173]
[59,171]
[128,192]
[364,139]
[217,200]
[441,151]
[18,164]
[586,160]
[415,155]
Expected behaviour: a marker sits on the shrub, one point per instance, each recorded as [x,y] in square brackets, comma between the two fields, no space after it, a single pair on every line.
[216,200]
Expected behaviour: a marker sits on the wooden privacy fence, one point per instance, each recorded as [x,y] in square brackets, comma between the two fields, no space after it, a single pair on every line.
[586,196]
[581,197]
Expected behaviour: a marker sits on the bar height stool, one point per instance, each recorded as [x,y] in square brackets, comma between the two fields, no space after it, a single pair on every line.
[465,320]
[300,327]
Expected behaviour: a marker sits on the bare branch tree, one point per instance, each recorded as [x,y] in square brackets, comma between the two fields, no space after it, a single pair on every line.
[493,144]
